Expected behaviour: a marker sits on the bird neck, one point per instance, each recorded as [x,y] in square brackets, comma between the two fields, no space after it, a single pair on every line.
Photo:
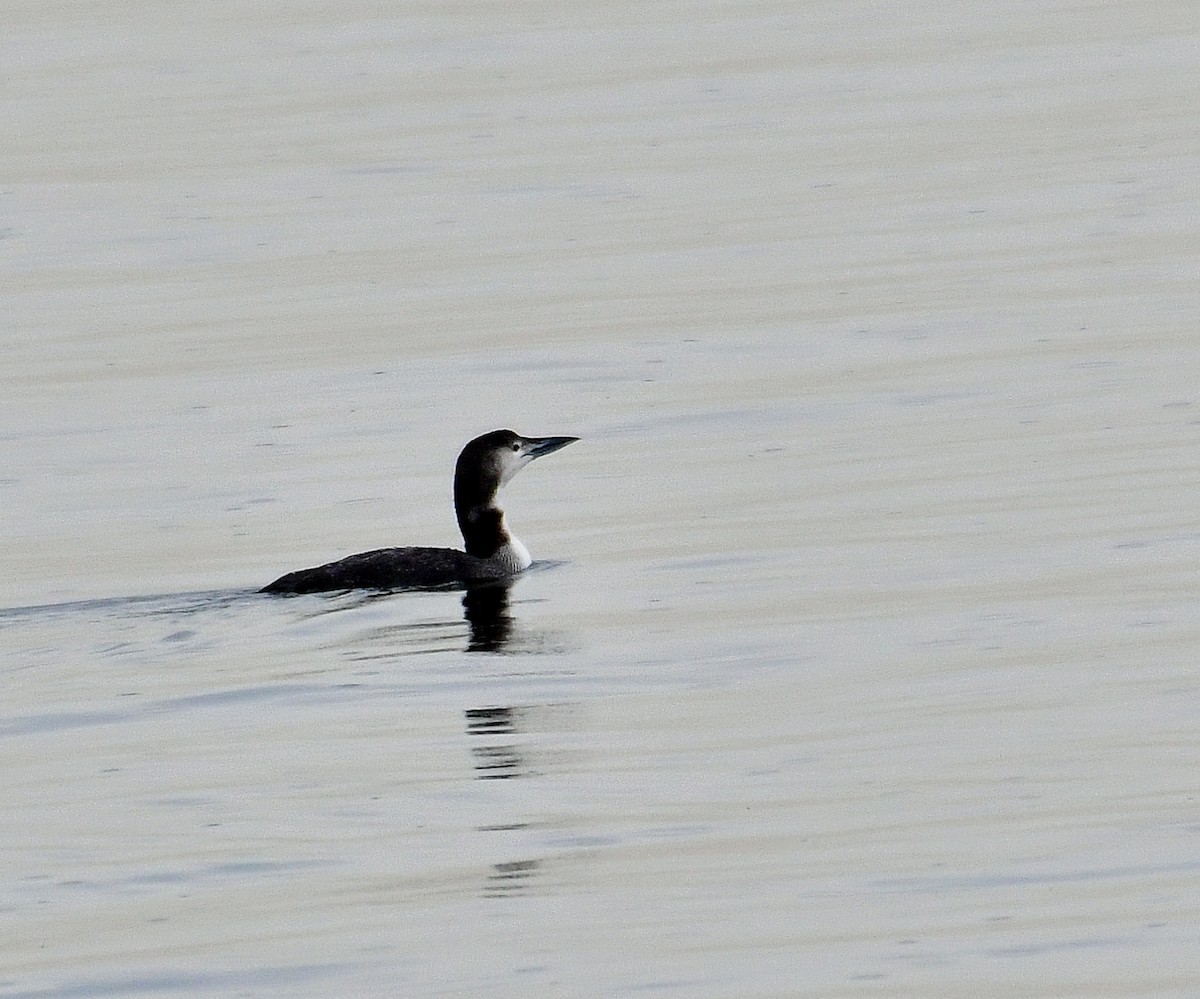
[483,530]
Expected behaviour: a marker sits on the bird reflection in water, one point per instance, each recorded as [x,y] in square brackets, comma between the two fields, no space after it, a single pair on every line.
[492,721]
[486,609]
[497,761]
[500,760]
[510,878]
[490,624]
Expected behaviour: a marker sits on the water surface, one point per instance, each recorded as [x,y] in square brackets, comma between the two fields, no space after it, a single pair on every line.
[860,657]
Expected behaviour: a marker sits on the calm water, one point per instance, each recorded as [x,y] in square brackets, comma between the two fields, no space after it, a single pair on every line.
[861,657]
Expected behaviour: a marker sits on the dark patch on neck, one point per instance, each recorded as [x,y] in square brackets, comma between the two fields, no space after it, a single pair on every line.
[483,530]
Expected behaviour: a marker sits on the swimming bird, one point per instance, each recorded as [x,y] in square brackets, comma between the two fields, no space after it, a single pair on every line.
[492,552]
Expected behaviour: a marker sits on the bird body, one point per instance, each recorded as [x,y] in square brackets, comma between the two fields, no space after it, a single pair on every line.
[492,552]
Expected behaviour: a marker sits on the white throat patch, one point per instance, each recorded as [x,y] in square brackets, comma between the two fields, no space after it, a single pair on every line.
[511,557]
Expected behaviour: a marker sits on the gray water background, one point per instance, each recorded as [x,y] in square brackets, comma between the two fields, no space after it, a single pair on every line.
[861,657]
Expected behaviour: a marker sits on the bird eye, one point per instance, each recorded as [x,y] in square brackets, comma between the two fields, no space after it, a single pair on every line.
[516,447]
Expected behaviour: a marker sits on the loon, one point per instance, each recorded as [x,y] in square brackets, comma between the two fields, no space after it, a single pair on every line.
[492,553]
